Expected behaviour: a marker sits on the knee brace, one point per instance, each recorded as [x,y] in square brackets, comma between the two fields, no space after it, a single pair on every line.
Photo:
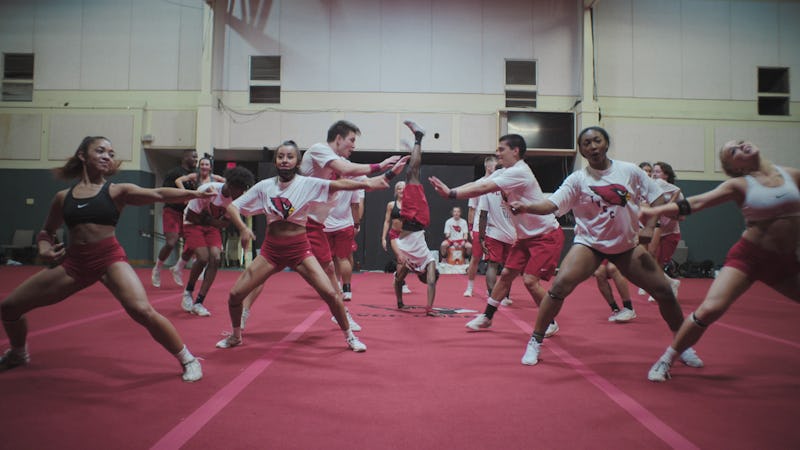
[697,321]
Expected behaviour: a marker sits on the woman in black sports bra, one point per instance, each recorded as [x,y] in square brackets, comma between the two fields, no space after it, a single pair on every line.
[91,209]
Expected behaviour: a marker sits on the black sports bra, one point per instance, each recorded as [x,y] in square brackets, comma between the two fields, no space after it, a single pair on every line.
[99,209]
[395,214]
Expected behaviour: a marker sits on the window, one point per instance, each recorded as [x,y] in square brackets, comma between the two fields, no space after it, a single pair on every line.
[520,84]
[265,79]
[773,91]
[17,77]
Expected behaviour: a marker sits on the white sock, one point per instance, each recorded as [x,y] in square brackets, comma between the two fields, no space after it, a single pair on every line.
[493,302]
[184,356]
[469,284]
[669,355]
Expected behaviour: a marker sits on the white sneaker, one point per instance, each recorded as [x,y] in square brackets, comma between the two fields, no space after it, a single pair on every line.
[507,302]
[354,327]
[347,296]
[651,299]
[245,315]
[551,329]
[177,275]
[187,302]
[690,358]
[155,277]
[229,341]
[200,310]
[659,372]
[192,371]
[531,356]
[414,127]
[642,291]
[468,292]
[675,284]
[480,321]
[406,290]
[355,344]
[613,316]
[625,315]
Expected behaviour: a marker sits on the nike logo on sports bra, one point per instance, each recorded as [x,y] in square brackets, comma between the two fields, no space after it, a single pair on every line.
[83,205]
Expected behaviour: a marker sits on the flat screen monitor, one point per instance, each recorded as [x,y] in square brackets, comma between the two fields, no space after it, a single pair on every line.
[545,131]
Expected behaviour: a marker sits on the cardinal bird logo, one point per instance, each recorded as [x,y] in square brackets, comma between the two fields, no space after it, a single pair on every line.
[457,228]
[282,205]
[614,194]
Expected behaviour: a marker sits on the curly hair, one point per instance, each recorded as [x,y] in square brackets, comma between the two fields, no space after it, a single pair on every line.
[239,177]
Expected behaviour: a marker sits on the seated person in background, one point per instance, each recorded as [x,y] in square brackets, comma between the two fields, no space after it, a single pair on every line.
[456,235]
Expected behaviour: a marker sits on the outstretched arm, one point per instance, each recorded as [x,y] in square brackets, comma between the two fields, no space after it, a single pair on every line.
[469,190]
[132,194]
[346,168]
[733,189]
[541,207]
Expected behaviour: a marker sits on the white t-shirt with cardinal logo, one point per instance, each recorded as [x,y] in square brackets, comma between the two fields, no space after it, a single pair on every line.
[284,201]
[605,205]
[456,230]
[213,206]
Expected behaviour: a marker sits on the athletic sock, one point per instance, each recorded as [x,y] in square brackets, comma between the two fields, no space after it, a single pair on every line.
[627,304]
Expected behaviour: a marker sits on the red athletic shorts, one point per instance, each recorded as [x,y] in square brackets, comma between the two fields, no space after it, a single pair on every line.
[667,246]
[319,242]
[477,251]
[172,220]
[762,265]
[498,251]
[286,251]
[341,242]
[88,263]
[538,255]
[415,205]
[198,236]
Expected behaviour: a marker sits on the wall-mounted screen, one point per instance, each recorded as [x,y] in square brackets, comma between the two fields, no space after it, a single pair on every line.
[542,131]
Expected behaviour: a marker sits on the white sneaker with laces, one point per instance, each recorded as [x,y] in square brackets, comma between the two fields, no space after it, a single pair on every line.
[480,321]
[551,329]
[245,316]
[625,315]
[200,310]
[531,356]
[468,292]
[229,341]
[187,302]
[507,302]
[406,290]
[11,359]
[613,316]
[177,275]
[659,372]
[690,358]
[347,296]
[355,344]
[155,277]
[192,371]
